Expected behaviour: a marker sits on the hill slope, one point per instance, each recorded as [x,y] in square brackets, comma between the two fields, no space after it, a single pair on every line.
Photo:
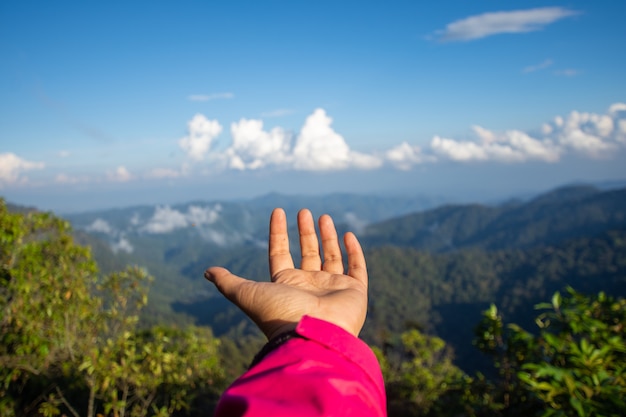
[548,219]
[434,269]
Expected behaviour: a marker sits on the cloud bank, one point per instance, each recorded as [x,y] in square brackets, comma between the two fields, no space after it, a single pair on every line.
[318,147]
[494,23]
[12,168]
[589,135]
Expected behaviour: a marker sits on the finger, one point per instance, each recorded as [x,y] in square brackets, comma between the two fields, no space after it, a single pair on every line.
[309,245]
[356,259]
[242,292]
[279,255]
[227,283]
[330,245]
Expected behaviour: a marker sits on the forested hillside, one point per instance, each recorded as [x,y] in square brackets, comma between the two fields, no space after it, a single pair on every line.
[436,278]
[548,219]
[579,240]
[177,243]
[444,294]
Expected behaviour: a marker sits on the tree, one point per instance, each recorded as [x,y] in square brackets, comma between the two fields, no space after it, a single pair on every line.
[418,373]
[70,341]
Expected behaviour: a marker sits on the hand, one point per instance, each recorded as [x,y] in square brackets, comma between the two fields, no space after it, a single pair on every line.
[317,289]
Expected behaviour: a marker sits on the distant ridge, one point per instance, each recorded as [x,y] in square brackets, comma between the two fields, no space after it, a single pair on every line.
[564,213]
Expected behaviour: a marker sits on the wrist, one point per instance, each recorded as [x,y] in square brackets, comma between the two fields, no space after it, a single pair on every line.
[274,343]
[281,328]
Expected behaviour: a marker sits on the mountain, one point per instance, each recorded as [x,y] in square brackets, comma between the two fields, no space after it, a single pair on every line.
[547,219]
[177,243]
[445,293]
[431,268]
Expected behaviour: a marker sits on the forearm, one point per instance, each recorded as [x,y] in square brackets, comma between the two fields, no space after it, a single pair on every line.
[323,371]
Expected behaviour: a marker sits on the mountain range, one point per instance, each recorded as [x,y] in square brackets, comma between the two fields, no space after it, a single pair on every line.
[432,266]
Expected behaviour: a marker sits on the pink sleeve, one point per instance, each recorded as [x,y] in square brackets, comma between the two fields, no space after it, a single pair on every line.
[325,372]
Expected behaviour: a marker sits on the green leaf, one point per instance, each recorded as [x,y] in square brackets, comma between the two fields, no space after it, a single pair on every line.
[577,405]
[556,300]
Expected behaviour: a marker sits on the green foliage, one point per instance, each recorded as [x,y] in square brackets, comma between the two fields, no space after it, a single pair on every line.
[575,366]
[444,294]
[582,343]
[509,348]
[69,340]
[418,374]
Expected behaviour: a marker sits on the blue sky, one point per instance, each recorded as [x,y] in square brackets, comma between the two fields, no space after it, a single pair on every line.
[118,103]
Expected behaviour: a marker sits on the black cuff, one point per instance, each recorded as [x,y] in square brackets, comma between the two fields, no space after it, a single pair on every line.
[273,344]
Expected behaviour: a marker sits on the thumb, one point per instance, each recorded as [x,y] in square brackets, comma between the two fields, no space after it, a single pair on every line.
[227,283]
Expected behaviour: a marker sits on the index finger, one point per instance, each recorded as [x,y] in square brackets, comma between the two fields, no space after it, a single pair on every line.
[279,255]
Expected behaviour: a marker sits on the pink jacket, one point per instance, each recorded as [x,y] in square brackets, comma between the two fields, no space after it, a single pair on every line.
[325,372]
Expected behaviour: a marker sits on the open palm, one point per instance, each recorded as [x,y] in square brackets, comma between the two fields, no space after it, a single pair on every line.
[319,288]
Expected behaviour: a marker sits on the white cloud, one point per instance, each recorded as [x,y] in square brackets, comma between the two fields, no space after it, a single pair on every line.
[209,97]
[254,148]
[458,151]
[63,154]
[510,146]
[320,148]
[166,219]
[201,133]
[121,174]
[488,24]
[588,134]
[135,219]
[317,147]
[101,226]
[354,223]
[543,65]
[404,156]
[12,167]
[220,238]
[618,112]
[617,108]
[200,216]
[122,245]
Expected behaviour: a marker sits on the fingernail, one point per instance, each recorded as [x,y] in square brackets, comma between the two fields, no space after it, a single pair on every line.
[208,275]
